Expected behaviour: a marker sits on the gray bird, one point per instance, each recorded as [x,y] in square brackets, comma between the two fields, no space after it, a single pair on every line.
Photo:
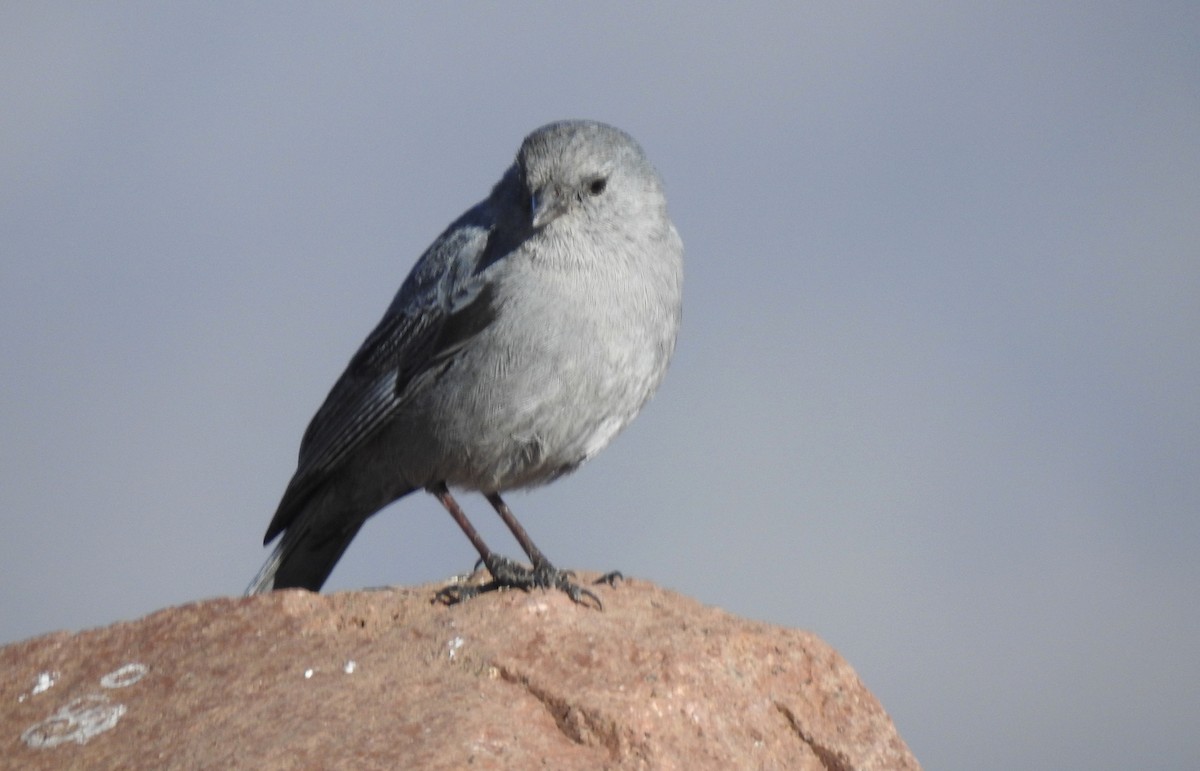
[525,338]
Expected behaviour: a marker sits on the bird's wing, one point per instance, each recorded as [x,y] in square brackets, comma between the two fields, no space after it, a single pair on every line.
[444,302]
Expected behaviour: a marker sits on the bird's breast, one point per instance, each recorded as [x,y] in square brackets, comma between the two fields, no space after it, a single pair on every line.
[565,365]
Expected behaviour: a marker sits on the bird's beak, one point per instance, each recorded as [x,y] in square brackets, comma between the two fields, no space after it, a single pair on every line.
[546,205]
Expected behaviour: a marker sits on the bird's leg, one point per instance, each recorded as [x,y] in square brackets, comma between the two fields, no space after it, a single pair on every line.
[442,493]
[500,567]
[507,574]
[544,574]
[527,544]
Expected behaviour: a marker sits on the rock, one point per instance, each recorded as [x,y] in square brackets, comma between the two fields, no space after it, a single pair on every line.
[387,679]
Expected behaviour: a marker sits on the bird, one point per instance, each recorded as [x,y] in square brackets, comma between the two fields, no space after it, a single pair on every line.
[523,340]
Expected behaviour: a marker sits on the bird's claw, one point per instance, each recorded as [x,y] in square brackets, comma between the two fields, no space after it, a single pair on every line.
[610,578]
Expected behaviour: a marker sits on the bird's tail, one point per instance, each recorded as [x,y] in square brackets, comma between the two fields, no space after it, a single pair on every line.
[264,581]
[303,558]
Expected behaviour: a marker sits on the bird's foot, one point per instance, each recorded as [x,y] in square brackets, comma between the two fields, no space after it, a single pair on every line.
[507,574]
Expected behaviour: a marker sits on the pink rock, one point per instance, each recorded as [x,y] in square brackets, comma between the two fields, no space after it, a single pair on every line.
[388,679]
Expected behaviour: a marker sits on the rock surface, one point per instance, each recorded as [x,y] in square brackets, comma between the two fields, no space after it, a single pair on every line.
[387,679]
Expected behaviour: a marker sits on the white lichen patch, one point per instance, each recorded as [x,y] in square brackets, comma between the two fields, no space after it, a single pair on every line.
[125,676]
[45,681]
[77,722]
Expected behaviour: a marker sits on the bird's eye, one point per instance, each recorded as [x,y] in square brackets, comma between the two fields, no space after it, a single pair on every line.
[596,187]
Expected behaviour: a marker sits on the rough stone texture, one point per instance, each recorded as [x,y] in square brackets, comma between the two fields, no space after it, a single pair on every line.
[388,679]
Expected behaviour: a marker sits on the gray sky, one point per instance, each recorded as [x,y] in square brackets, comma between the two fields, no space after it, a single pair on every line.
[937,396]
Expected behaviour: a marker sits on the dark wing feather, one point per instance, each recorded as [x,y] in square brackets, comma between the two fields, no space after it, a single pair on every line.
[423,325]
